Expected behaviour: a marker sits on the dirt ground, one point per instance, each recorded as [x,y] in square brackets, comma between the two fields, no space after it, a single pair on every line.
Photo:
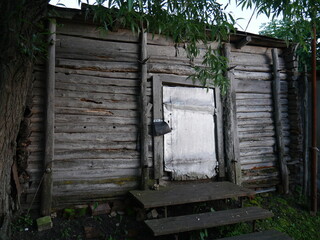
[125,224]
[124,221]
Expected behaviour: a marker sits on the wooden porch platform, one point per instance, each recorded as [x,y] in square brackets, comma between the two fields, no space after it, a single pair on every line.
[190,193]
[196,193]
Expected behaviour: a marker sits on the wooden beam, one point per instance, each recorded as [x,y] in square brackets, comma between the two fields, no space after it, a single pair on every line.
[219,133]
[243,42]
[144,111]
[46,196]
[306,132]
[231,127]
[278,123]
[157,114]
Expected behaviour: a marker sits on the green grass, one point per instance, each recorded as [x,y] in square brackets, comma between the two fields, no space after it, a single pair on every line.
[291,216]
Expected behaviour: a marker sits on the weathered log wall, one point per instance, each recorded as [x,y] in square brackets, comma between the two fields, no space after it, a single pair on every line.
[255,115]
[97,79]
[36,147]
[96,114]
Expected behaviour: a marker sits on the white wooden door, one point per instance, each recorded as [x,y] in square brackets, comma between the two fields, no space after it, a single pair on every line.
[189,150]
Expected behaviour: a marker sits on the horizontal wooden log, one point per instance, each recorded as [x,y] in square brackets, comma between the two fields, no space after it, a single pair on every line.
[169,68]
[270,157]
[76,78]
[257,121]
[98,154]
[251,109]
[241,58]
[73,44]
[256,151]
[80,119]
[252,86]
[97,112]
[94,32]
[95,89]
[256,75]
[67,198]
[258,165]
[255,102]
[99,137]
[177,80]
[256,134]
[95,104]
[97,96]
[94,72]
[254,50]
[249,96]
[97,65]
[258,143]
[90,164]
[113,171]
[246,115]
[71,127]
[261,127]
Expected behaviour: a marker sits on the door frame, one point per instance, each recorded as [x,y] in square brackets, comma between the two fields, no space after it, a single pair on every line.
[158,81]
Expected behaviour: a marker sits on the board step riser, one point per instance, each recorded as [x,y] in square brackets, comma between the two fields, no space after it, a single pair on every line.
[265,235]
[186,223]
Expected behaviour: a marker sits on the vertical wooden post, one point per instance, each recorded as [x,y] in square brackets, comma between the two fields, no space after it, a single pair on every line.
[231,127]
[219,131]
[306,133]
[278,123]
[46,197]
[314,149]
[144,111]
[157,140]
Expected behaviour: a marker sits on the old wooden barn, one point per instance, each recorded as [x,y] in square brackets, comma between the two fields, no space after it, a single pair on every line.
[90,100]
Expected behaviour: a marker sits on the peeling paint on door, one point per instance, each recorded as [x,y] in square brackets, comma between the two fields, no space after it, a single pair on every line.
[189,150]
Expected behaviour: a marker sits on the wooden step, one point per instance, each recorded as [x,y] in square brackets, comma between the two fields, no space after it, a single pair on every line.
[189,193]
[265,235]
[186,223]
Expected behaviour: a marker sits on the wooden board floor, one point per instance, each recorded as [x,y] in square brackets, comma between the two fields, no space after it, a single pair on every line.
[265,235]
[186,223]
[189,193]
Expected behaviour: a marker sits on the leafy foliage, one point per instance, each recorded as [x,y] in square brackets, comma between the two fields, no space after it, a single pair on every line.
[295,31]
[290,217]
[299,17]
[186,21]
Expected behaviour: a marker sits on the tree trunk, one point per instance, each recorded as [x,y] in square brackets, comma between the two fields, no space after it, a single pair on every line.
[19,26]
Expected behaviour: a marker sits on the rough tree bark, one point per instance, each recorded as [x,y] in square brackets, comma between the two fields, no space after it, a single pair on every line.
[19,25]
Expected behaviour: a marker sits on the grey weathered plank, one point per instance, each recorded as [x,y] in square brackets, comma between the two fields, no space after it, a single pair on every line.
[231,125]
[265,235]
[190,193]
[94,72]
[76,78]
[46,196]
[157,114]
[186,223]
[219,127]
[93,32]
[144,111]
[278,123]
